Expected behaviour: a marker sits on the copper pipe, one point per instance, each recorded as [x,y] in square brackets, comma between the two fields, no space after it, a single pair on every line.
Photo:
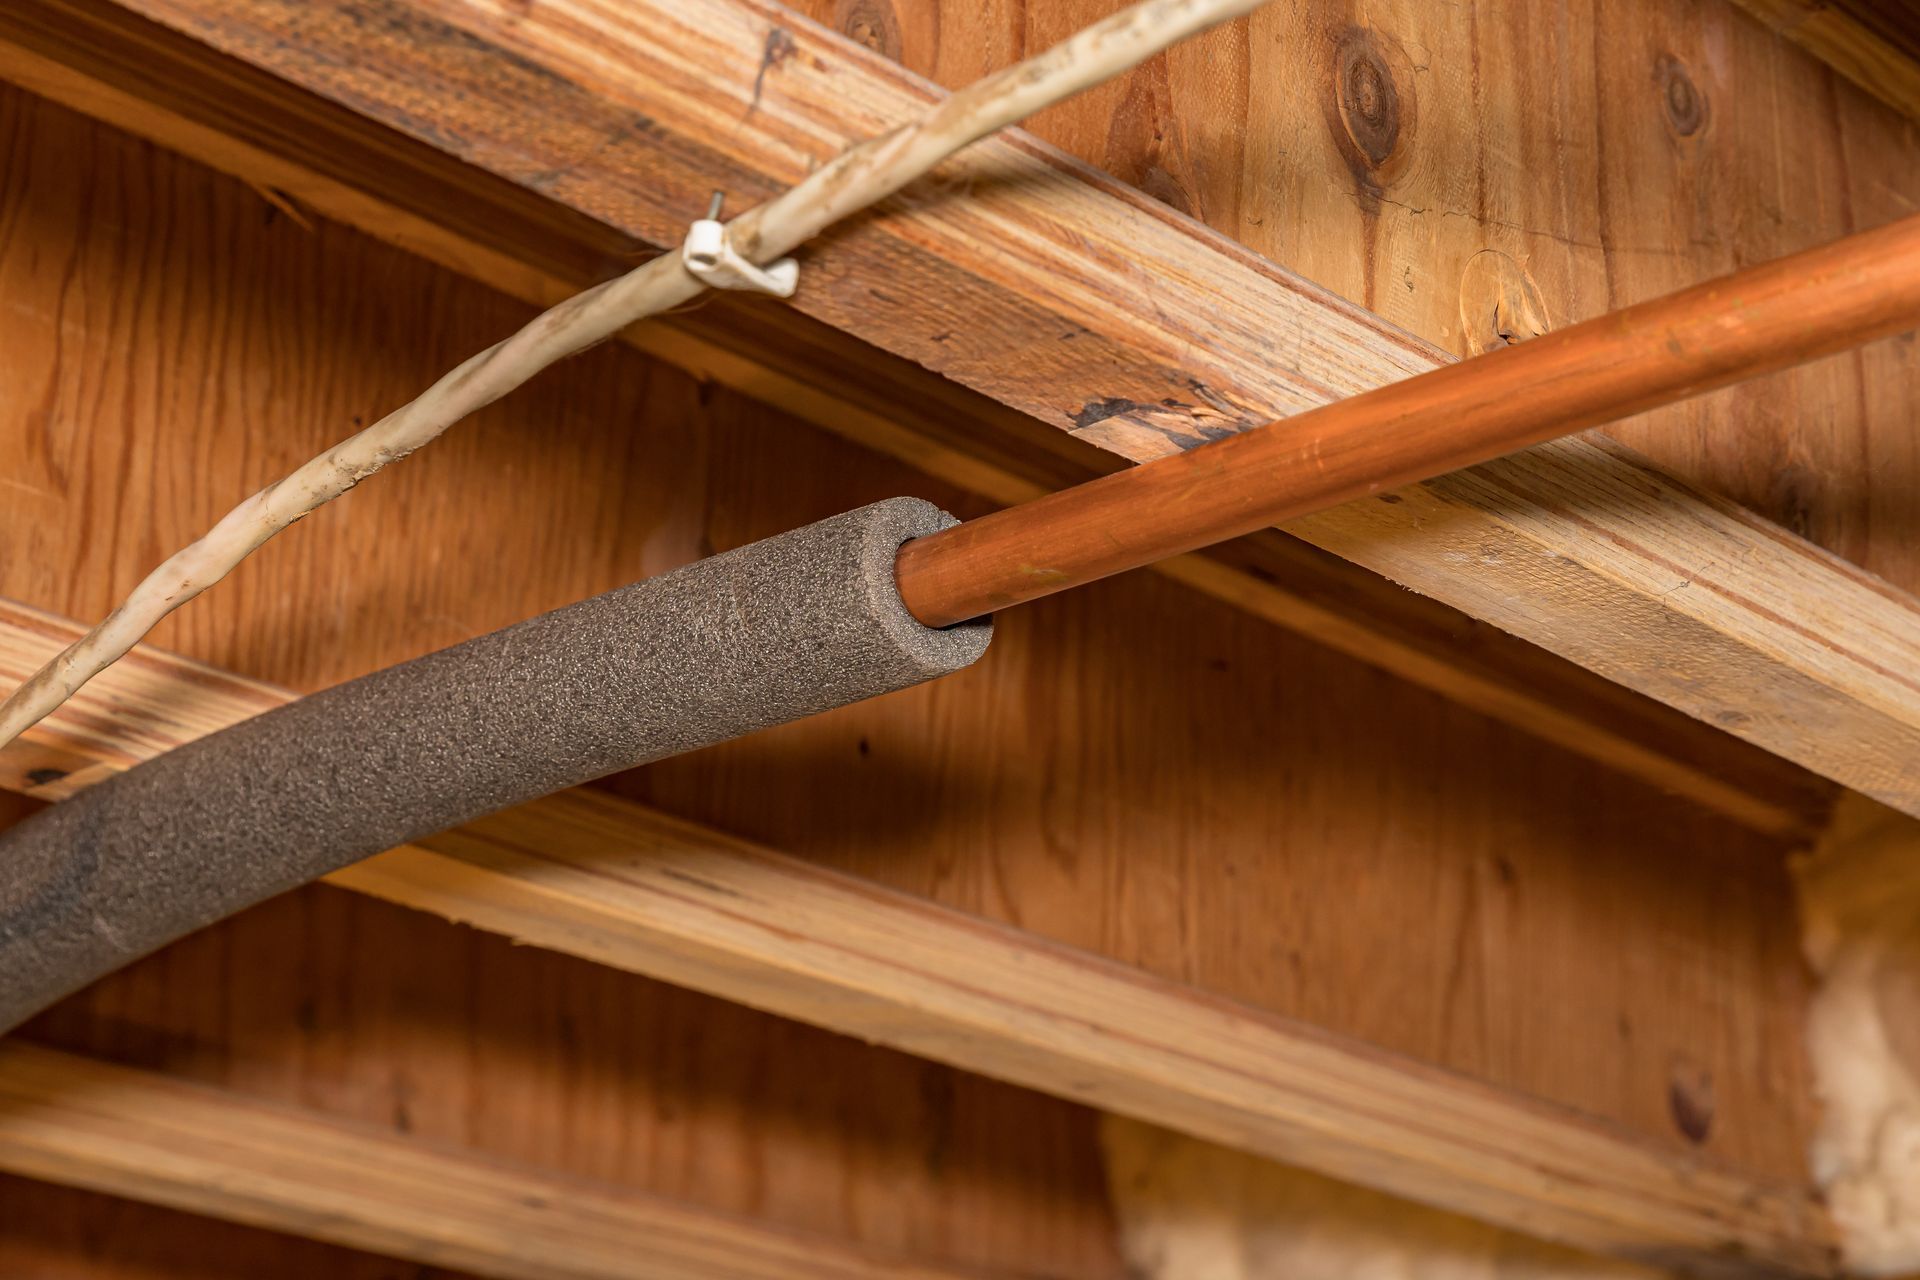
[1740,326]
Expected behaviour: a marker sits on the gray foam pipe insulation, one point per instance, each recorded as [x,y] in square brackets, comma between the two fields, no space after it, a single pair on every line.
[797,624]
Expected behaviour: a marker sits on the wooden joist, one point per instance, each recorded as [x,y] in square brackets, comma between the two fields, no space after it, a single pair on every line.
[150,1137]
[574,136]
[613,882]
[1874,43]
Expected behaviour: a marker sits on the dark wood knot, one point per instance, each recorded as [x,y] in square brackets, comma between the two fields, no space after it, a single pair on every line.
[1686,105]
[872,23]
[1371,106]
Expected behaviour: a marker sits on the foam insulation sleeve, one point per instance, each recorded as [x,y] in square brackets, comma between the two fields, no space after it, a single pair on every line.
[797,624]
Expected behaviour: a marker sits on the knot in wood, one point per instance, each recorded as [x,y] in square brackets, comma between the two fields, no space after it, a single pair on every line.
[1370,106]
[1686,105]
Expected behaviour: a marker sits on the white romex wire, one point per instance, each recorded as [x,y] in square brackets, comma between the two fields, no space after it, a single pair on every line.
[858,177]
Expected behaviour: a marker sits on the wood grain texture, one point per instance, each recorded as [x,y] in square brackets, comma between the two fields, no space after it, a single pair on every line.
[1391,867]
[73,1120]
[1116,783]
[1078,301]
[51,1232]
[149,80]
[1874,43]
[386,1018]
[612,882]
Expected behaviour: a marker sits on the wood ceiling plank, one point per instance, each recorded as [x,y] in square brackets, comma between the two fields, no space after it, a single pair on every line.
[611,881]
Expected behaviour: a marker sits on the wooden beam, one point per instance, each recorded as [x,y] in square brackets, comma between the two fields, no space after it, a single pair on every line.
[538,237]
[1874,43]
[598,877]
[149,1137]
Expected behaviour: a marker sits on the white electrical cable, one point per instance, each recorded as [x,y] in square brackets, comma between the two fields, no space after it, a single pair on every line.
[857,178]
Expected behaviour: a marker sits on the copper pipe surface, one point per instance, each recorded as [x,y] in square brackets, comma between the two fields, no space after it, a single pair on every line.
[1755,321]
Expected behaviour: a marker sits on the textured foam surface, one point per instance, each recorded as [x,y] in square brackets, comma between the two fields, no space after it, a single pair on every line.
[772,632]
